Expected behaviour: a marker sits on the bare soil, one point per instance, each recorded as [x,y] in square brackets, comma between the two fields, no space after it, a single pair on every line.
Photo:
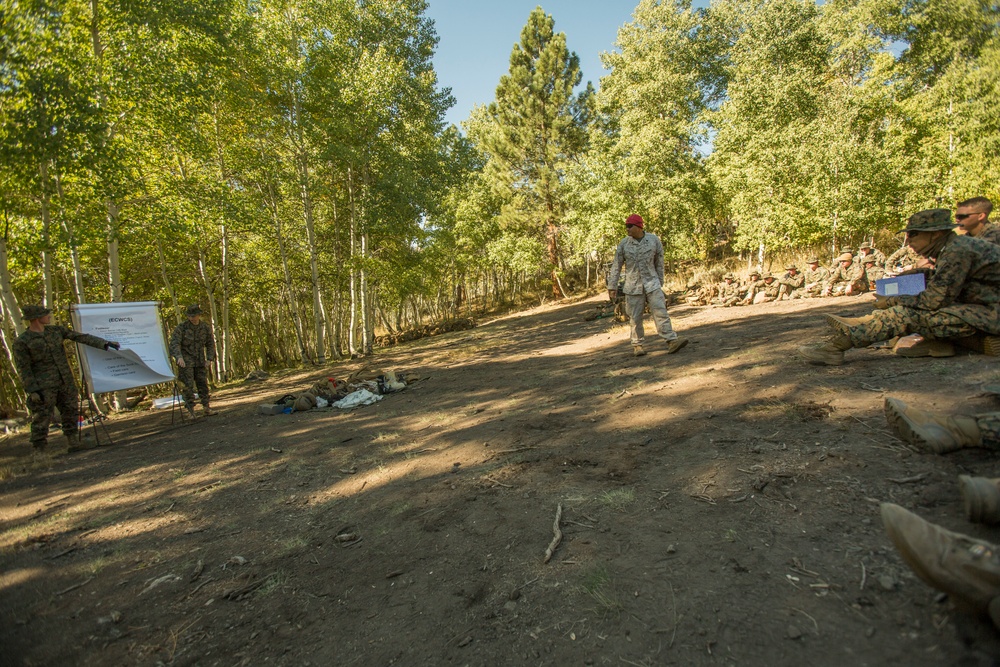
[719,507]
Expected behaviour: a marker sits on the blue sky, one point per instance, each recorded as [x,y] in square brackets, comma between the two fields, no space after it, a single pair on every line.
[476,37]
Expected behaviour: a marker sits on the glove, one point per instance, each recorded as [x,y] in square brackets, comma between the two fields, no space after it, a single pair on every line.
[180,362]
[117,346]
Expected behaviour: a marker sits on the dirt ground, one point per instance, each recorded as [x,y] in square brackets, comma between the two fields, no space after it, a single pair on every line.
[719,507]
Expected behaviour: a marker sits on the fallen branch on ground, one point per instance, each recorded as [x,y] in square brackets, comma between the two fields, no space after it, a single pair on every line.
[557,538]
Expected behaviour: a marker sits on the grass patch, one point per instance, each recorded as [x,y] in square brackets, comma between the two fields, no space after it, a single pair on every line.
[598,585]
[618,499]
[274,581]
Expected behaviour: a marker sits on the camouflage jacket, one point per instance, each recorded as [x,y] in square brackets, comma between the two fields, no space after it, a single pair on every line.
[792,282]
[990,232]
[902,259]
[874,273]
[729,290]
[876,253]
[40,358]
[965,283]
[193,342]
[853,275]
[816,279]
[643,261]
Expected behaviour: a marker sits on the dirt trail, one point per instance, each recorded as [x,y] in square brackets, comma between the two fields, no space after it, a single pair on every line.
[720,506]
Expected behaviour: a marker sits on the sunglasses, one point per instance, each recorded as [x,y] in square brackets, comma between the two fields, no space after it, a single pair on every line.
[630,226]
[963,216]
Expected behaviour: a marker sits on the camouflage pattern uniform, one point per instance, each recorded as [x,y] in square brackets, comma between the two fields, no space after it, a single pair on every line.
[751,286]
[814,279]
[873,271]
[729,292]
[788,283]
[40,360]
[767,291]
[195,344]
[989,426]
[901,260]
[962,297]
[871,252]
[989,232]
[853,276]
[642,260]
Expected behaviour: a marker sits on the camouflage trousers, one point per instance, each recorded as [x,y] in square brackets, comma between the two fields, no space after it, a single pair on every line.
[903,320]
[67,399]
[192,377]
[657,308]
[806,292]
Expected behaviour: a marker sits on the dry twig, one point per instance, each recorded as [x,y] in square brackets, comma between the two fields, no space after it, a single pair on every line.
[557,537]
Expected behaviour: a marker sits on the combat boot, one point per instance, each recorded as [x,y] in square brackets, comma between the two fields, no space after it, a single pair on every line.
[915,345]
[208,411]
[190,411]
[676,344]
[842,325]
[981,497]
[637,351]
[78,442]
[931,433]
[830,353]
[968,570]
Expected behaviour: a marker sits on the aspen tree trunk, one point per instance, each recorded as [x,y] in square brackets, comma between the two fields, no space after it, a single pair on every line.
[287,274]
[79,288]
[43,175]
[166,281]
[352,340]
[10,305]
[367,326]
[224,357]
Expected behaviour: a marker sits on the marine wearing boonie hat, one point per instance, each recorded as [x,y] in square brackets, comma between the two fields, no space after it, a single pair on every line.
[33,312]
[929,220]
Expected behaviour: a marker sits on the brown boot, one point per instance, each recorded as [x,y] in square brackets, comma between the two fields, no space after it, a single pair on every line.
[676,344]
[968,570]
[981,497]
[916,345]
[930,433]
[830,353]
[842,325]
[637,351]
[208,412]
[79,442]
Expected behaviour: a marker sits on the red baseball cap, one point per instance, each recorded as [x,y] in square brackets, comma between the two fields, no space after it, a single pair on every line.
[634,219]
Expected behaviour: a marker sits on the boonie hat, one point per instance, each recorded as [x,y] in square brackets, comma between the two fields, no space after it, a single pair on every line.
[869,259]
[193,309]
[813,260]
[791,267]
[929,220]
[846,257]
[33,312]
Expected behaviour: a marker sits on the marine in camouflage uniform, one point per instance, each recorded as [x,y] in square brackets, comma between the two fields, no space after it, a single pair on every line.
[193,346]
[751,286]
[789,282]
[962,296]
[873,271]
[972,215]
[40,360]
[814,279]
[729,292]
[767,290]
[847,278]
[903,259]
[866,250]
